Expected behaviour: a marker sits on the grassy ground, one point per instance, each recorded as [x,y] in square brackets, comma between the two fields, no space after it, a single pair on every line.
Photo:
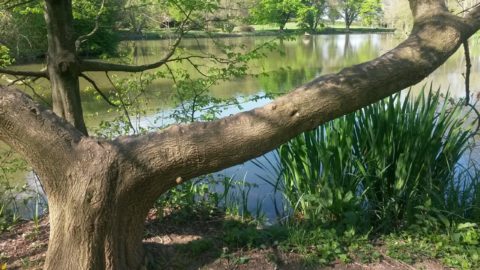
[211,240]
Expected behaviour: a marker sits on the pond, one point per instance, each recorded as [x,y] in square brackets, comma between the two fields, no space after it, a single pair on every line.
[302,59]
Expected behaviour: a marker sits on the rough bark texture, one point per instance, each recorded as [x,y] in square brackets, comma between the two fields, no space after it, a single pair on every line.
[62,62]
[99,191]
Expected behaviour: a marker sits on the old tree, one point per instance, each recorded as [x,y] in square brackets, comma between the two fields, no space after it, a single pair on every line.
[99,190]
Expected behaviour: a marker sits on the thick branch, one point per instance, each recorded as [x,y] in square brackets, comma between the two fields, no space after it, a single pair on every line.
[87,65]
[185,151]
[46,140]
[35,74]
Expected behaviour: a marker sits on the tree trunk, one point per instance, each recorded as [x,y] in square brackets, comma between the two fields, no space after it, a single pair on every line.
[347,24]
[62,63]
[107,241]
[95,224]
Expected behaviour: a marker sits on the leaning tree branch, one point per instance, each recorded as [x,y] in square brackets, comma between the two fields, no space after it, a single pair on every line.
[182,152]
[36,133]
[122,102]
[35,74]
[25,81]
[87,65]
[97,89]
[27,84]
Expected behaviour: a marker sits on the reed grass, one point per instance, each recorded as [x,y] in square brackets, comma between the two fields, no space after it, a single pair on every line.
[384,166]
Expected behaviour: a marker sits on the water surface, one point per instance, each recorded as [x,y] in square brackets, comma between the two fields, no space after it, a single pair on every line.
[301,59]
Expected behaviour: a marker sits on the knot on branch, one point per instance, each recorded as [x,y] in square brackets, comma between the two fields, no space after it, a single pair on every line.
[67,63]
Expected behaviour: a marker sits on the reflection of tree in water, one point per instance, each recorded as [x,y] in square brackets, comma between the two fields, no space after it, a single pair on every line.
[286,79]
[347,47]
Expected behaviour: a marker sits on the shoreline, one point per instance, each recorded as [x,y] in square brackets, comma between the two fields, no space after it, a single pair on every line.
[163,35]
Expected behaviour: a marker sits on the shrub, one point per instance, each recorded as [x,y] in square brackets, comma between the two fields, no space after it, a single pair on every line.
[386,165]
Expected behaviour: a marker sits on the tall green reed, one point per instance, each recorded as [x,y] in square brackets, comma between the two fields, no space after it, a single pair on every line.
[384,165]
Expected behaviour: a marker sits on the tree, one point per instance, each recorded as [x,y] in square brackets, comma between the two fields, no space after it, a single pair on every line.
[310,14]
[99,191]
[370,11]
[348,9]
[332,13]
[275,11]
[20,32]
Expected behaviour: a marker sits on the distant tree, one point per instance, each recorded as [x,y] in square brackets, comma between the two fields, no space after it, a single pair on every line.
[348,10]
[371,11]
[136,14]
[397,15]
[22,32]
[310,14]
[332,13]
[275,11]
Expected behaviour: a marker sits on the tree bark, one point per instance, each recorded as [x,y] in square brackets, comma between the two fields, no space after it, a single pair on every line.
[62,62]
[99,191]
[96,216]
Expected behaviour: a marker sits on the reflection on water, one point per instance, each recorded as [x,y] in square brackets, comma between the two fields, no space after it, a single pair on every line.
[300,60]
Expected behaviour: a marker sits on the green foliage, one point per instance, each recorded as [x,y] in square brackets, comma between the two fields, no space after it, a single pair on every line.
[194,11]
[23,31]
[275,11]
[386,166]
[192,99]
[207,195]
[195,102]
[105,40]
[238,235]
[348,9]
[130,100]
[5,59]
[458,249]
[310,14]
[371,11]
[322,245]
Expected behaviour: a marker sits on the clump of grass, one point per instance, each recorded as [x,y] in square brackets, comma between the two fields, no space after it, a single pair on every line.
[383,167]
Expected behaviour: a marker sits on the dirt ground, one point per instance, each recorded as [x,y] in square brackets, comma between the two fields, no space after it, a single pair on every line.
[169,246]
